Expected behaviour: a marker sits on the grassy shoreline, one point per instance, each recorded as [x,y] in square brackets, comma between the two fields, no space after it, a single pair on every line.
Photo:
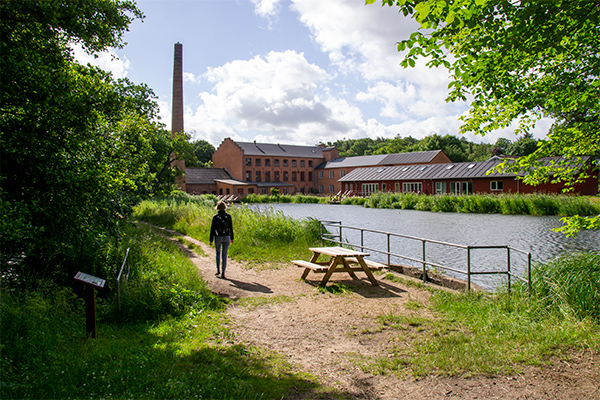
[519,204]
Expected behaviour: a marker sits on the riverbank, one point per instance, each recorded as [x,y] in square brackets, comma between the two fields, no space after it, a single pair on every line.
[507,204]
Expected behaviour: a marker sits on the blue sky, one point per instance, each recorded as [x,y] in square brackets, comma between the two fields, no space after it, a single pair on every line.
[288,71]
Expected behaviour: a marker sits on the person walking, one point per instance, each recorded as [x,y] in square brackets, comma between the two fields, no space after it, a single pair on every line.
[221,232]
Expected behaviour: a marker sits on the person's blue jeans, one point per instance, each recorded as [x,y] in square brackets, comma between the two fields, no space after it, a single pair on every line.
[221,247]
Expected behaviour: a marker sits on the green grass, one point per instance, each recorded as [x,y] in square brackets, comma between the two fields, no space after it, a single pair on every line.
[171,340]
[260,237]
[524,204]
[479,333]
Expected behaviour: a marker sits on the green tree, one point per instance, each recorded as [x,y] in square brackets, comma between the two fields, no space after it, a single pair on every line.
[519,61]
[204,152]
[524,146]
[74,142]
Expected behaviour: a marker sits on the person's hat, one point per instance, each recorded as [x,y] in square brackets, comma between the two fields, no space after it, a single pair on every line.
[221,205]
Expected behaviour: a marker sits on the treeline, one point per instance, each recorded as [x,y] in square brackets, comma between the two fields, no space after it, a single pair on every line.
[199,153]
[457,149]
[78,148]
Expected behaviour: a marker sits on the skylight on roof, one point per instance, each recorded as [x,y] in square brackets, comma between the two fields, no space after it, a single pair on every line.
[450,166]
[405,168]
[422,168]
[380,170]
[470,166]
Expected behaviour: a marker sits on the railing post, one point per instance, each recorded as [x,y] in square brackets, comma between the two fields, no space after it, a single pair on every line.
[468,268]
[424,263]
[389,250]
[529,272]
[362,240]
[508,267]
[340,238]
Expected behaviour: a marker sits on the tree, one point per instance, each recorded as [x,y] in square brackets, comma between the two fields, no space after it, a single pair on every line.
[519,61]
[204,152]
[74,142]
[524,146]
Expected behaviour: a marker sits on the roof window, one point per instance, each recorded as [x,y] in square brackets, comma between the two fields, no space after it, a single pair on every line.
[450,166]
[422,168]
[470,166]
[405,169]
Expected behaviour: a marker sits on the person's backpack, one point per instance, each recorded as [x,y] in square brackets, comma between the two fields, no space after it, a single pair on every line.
[222,225]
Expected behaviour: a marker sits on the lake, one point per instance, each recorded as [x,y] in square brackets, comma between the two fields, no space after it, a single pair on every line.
[525,232]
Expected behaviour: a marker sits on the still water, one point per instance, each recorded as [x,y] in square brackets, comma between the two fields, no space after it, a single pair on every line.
[524,232]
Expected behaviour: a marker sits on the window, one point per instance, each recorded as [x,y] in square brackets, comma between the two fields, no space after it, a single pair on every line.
[320,174]
[248,162]
[310,163]
[461,187]
[248,176]
[257,162]
[320,188]
[331,174]
[440,187]
[267,176]
[368,188]
[310,176]
[331,189]
[227,191]
[263,190]
[412,187]
[496,185]
[286,176]
[383,187]
[302,163]
[342,173]
[276,176]
[302,176]
[397,187]
[293,163]
[257,176]
[276,162]
[294,176]
[285,163]
[267,162]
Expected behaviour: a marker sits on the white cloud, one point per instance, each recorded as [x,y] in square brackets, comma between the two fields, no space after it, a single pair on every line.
[266,8]
[106,60]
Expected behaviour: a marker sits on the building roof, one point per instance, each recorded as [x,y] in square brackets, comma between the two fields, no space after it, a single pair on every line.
[464,170]
[417,157]
[280,150]
[205,176]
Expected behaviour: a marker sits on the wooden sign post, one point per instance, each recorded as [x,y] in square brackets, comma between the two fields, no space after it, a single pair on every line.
[91,282]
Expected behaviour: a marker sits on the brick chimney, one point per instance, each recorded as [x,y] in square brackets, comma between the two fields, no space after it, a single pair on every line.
[177,106]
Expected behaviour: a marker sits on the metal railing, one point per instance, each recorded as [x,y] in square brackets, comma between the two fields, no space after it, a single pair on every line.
[119,278]
[469,271]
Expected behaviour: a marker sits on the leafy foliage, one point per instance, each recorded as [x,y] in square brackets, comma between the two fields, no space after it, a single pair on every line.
[518,62]
[75,143]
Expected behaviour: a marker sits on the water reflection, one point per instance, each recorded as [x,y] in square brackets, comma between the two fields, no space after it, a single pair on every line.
[528,233]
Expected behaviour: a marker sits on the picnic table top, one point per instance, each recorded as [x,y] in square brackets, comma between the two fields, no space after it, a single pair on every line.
[338,251]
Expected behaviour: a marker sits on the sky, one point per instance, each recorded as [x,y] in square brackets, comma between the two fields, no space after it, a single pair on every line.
[288,71]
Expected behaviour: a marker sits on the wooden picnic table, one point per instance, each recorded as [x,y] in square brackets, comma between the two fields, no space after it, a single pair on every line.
[340,260]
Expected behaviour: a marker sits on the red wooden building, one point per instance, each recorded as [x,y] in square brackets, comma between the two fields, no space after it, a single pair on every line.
[452,178]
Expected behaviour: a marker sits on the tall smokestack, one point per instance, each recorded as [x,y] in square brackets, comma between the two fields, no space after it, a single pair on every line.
[177,112]
[177,106]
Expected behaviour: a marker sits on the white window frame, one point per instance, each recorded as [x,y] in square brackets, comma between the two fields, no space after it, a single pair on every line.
[412,187]
[497,186]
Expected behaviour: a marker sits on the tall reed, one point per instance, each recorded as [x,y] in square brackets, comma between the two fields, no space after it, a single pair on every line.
[260,236]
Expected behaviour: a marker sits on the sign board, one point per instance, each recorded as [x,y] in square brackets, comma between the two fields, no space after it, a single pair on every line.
[90,280]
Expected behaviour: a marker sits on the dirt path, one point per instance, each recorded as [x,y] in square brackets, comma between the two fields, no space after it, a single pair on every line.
[324,334]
